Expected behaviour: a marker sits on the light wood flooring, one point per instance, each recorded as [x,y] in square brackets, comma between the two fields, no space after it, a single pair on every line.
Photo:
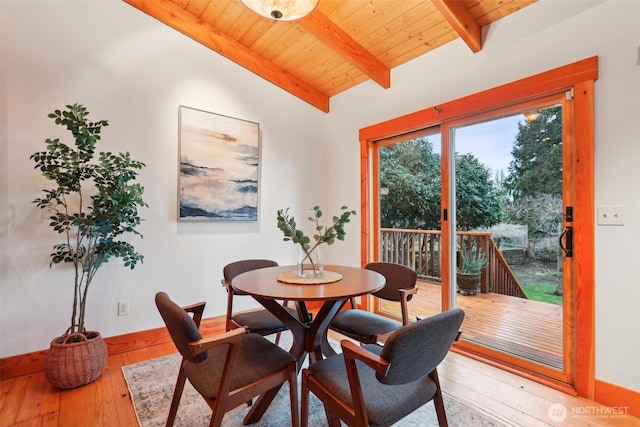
[31,401]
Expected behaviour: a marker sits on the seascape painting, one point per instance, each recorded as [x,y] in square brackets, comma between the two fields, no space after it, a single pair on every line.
[219,159]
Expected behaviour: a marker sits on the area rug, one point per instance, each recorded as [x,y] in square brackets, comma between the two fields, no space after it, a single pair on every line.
[151,386]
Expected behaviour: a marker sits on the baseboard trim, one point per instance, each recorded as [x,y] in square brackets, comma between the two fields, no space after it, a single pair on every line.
[624,399]
[29,363]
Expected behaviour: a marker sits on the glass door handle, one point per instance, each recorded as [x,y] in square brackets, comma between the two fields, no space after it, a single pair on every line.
[567,248]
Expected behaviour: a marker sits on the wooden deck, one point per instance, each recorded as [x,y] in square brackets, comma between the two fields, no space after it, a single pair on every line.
[525,328]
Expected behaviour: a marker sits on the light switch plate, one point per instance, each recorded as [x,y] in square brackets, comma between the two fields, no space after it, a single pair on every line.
[610,215]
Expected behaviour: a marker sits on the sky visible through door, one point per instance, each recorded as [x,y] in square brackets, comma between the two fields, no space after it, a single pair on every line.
[529,252]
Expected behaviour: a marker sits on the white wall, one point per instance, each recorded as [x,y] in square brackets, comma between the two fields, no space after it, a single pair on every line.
[538,38]
[128,68]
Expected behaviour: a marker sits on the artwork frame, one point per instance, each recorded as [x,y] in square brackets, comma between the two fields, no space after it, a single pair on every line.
[219,167]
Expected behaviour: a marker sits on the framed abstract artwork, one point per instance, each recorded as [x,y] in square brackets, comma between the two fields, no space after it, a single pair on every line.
[219,161]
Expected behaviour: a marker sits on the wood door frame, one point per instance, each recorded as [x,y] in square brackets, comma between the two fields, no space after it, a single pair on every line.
[579,76]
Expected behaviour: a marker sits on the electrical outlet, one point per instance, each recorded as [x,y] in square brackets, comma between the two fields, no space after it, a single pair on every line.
[610,215]
[123,308]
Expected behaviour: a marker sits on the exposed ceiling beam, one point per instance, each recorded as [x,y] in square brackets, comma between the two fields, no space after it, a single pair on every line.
[461,20]
[321,27]
[181,20]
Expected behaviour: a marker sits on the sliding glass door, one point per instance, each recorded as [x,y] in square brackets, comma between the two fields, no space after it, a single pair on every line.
[509,208]
[516,200]
[481,208]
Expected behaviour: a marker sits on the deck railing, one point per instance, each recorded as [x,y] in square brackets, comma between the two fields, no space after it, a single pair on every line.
[502,279]
[420,250]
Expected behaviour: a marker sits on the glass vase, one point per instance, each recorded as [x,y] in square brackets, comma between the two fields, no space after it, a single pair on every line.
[310,262]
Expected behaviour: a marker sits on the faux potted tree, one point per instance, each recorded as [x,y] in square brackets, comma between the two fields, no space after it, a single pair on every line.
[469,272]
[92,204]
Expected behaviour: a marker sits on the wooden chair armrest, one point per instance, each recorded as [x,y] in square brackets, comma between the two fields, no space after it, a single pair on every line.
[353,351]
[408,293]
[196,309]
[234,336]
[405,296]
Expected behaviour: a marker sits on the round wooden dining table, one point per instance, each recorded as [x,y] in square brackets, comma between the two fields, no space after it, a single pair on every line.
[309,333]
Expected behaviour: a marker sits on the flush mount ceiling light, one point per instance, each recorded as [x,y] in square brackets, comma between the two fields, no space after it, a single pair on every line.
[281,10]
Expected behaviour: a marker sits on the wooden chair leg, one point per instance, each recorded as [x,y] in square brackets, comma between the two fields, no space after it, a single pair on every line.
[293,395]
[304,401]
[177,394]
[438,401]
[216,416]
[332,419]
[261,405]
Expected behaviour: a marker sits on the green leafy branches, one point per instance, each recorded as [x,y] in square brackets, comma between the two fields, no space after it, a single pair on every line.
[91,225]
[323,234]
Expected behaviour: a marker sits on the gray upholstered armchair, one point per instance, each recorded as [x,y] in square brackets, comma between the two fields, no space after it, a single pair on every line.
[258,321]
[227,369]
[387,383]
[370,328]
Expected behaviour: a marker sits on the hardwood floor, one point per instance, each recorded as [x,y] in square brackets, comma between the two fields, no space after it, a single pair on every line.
[29,400]
[525,328]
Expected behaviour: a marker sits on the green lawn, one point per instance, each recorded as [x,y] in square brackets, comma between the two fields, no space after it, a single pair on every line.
[543,292]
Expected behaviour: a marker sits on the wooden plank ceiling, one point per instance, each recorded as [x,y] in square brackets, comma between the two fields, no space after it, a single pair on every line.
[341,44]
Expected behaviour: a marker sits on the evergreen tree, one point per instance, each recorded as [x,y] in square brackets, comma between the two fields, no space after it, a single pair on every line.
[536,167]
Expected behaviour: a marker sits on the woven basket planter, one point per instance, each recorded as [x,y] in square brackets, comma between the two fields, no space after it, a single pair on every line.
[72,364]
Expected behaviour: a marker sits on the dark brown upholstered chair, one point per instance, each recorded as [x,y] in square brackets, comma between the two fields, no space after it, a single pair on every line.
[370,328]
[228,369]
[258,321]
[387,383]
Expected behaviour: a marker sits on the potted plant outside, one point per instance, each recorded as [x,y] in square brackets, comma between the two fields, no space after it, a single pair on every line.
[469,273]
[92,204]
[310,256]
